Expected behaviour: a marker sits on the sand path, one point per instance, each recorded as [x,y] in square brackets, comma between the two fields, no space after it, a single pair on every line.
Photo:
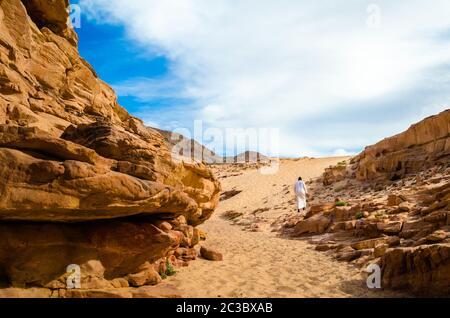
[259,264]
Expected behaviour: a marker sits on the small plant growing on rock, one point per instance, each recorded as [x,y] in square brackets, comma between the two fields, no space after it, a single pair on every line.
[359,215]
[341,203]
[170,271]
[342,163]
[162,273]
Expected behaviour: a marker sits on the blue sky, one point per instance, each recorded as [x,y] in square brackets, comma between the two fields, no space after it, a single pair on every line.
[331,77]
[116,58]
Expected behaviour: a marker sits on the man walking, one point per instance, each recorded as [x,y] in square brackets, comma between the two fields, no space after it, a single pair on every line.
[301,192]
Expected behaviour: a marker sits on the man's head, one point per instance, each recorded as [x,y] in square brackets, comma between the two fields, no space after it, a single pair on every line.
[300,179]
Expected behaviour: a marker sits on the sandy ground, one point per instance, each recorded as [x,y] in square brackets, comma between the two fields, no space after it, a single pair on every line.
[260,264]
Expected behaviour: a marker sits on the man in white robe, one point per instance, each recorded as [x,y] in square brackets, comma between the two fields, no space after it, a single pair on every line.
[301,192]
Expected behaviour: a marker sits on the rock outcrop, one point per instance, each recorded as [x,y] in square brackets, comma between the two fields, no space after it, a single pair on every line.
[412,151]
[424,269]
[391,207]
[81,180]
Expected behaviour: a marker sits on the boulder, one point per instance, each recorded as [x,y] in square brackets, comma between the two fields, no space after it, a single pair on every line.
[160,291]
[120,246]
[186,254]
[424,270]
[417,229]
[317,224]
[436,237]
[368,244]
[147,275]
[348,254]
[325,247]
[210,254]
[380,250]
[367,229]
[68,182]
[30,293]
[120,283]
[342,214]
[334,174]
[405,207]
[390,227]
[395,200]
[315,209]
[439,217]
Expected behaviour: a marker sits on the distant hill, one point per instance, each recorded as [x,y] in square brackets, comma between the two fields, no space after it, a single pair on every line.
[189,149]
[185,148]
[248,157]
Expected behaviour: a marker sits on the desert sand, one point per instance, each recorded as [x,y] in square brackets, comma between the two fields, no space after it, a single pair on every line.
[256,262]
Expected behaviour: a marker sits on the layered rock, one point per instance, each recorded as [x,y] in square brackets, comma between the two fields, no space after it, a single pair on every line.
[423,269]
[83,181]
[44,81]
[393,209]
[410,152]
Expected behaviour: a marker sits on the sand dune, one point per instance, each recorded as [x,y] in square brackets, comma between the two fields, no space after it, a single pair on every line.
[260,264]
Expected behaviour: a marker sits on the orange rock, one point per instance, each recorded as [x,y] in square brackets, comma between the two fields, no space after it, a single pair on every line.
[409,152]
[211,254]
[425,269]
[82,180]
[317,224]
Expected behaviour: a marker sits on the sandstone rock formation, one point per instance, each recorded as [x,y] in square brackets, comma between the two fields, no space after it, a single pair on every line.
[424,269]
[412,151]
[396,209]
[82,180]
[211,254]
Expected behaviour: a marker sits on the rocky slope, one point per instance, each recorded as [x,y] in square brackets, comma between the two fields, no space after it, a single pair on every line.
[82,181]
[188,149]
[420,147]
[391,206]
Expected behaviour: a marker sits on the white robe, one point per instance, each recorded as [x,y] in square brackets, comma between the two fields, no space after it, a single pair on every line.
[301,192]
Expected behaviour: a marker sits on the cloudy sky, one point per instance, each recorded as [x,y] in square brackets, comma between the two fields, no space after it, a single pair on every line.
[331,76]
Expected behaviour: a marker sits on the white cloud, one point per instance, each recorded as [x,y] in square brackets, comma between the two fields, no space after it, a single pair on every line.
[284,64]
[342,153]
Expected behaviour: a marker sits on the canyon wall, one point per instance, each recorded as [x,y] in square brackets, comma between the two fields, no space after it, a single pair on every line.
[392,208]
[412,151]
[81,180]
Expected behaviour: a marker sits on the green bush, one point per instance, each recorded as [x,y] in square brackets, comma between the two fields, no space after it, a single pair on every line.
[162,274]
[359,215]
[341,203]
[170,271]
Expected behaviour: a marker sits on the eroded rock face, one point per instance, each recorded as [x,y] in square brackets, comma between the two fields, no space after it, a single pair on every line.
[54,180]
[120,246]
[44,82]
[147,158]
[81,180]
[424,269]
[409,152]
[397,194]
